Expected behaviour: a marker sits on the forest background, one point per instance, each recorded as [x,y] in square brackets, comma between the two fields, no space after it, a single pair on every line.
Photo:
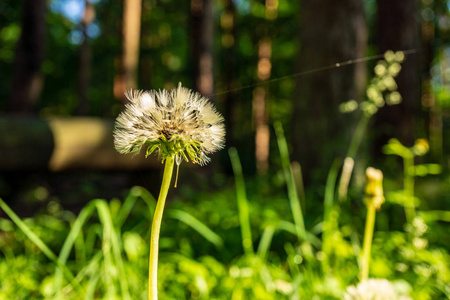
[305,65]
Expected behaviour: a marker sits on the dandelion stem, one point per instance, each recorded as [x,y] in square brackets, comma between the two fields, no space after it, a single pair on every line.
[368,236]
[156,226]
[373,199]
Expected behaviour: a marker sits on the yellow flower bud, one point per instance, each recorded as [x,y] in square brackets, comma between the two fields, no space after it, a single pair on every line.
[421,147]
[374,188]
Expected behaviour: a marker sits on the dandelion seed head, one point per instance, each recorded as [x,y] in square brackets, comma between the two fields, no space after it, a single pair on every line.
[180,123]
[373,289]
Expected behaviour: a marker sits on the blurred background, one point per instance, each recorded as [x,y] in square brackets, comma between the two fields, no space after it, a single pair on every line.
[307,66]
[65,65]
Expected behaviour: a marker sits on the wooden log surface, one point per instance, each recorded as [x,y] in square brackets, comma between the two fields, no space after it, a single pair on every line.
[60,144]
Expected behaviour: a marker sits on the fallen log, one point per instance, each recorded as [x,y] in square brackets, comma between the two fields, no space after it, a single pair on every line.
[57,144]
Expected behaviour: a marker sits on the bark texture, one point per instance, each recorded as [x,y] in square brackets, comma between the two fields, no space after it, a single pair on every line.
[202,45]
[330,32]
[84,71]
[28,79]
[398,29]
[131,35]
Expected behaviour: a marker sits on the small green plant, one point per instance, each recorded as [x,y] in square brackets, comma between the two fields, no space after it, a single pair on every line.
[406,197]
[178,125]
[381,91]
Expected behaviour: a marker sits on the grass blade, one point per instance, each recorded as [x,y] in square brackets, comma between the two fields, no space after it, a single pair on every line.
[135,193]
[85,213]
[197,225]
[39,243]
[294,200]
[242,201]
[106,220]
[290,227]
[350,158]
[265,241]
[329,218]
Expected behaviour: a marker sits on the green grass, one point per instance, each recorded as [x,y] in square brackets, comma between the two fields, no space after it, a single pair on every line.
[252,239]
[103,252]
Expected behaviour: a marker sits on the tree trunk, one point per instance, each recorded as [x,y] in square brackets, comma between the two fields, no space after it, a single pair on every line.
[85,60]
[260,94]
[27,78]
[202,45]
[330,32]
[131,30]
[398,29]
[259,105]
[228,25]
[432,109]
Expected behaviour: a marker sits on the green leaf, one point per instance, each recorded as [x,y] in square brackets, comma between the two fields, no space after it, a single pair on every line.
[150,150]
[197,225]
[427,169]
[401,198]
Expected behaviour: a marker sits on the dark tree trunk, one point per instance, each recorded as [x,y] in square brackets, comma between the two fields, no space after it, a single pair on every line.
[202,45]
[85,60]
[228,25]
[28,79]
[330,32]
[259,106]
[260,95]
[398,29]
[131,36]
[432,109]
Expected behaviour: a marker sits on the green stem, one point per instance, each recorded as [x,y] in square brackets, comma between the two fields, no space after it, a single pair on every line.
[331,211]
[243,209]
[294,200]
[156,226]
[408,186]
[358,136]
[368,235]
[350,158]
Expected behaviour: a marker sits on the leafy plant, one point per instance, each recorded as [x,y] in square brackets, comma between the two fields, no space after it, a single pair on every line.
[406,197]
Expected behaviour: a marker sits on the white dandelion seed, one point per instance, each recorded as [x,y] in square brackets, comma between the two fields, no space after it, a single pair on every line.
[180,124]
[373,289]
